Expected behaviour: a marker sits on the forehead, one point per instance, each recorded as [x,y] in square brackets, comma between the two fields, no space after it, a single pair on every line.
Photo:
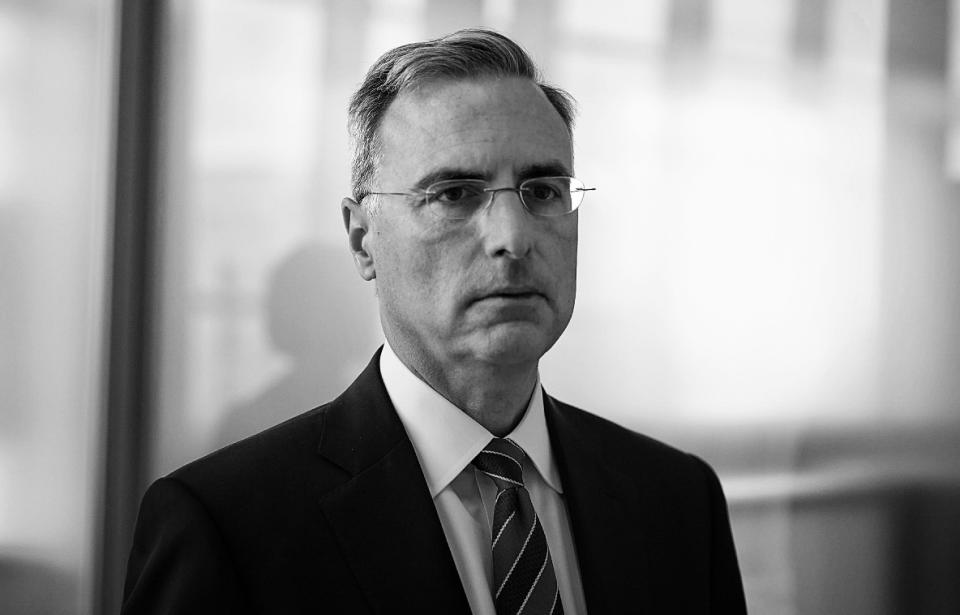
[488,127]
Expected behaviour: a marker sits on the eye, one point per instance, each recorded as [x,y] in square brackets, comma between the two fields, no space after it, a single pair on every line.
[543,190]
[455,192]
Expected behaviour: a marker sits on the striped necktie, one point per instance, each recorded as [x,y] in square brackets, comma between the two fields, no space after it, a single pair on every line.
[524,581]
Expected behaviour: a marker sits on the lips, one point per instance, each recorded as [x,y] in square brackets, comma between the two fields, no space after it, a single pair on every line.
[511,292]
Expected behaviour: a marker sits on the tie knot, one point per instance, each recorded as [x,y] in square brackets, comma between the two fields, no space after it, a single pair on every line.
[501,460]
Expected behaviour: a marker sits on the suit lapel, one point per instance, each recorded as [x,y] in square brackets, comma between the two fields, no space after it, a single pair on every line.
[607,519]
[383,516]
[387,525]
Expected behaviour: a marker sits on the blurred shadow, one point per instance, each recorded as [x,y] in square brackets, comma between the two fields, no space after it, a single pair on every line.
[887,541]
[320,315]
[29,587]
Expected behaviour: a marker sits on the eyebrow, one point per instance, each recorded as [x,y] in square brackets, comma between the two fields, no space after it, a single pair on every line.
[551,168]
[445,173]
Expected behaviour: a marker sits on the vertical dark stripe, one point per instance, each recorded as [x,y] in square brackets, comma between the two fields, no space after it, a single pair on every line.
[810,21]
[690,23]
[127,399]
[920,292]
[920,266]
[918,37]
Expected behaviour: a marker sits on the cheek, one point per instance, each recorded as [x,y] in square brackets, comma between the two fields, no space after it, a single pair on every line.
[416,269]
[566,270]
[566,251]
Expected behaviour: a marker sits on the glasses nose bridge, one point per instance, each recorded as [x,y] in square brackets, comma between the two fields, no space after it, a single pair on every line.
[493,195]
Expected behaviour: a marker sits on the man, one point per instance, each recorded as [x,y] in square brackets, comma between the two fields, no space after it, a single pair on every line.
[444,480]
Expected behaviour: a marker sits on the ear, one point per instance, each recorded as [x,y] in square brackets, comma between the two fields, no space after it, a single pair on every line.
[356,220]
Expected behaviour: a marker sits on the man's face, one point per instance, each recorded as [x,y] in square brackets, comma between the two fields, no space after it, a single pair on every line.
[498,287]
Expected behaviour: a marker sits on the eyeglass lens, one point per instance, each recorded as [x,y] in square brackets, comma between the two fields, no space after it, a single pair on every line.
[541,196]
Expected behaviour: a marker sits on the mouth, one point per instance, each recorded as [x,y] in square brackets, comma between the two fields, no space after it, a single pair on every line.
[515,293]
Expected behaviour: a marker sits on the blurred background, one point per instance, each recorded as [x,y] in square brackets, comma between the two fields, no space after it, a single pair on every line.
[769,269]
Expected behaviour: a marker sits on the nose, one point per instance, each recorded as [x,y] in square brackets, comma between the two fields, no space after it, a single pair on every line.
[506,226]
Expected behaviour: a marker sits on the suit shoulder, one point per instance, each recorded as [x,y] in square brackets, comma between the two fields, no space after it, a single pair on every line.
[620,444]
[277,455]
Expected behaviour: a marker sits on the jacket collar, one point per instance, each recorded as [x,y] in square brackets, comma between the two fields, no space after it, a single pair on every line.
[383,516]
[608,521]
[387,525]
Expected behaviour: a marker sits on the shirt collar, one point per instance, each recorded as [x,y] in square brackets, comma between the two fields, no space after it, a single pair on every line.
[446,439]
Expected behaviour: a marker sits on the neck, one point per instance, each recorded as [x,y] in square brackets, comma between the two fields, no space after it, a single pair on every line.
[496,396]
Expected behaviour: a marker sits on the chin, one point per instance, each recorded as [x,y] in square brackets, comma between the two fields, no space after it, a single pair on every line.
[513,343]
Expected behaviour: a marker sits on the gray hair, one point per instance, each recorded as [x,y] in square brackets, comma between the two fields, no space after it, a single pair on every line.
[465,54]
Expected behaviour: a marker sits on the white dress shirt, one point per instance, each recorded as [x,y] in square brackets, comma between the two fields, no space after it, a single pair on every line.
[446,440]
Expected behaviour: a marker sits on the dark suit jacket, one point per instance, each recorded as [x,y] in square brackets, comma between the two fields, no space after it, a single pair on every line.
[329,512]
